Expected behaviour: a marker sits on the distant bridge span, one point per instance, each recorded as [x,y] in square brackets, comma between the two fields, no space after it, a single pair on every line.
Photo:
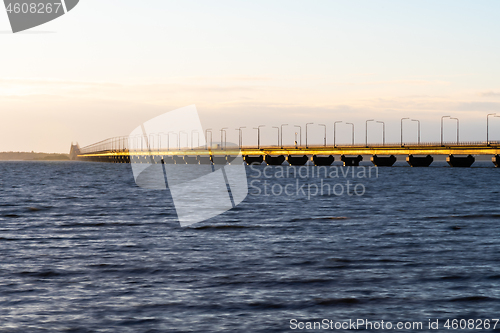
[117,150]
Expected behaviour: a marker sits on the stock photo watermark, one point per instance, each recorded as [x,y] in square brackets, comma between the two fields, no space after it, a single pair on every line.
[205,179]
[24,15]
[208,182]
[309,182]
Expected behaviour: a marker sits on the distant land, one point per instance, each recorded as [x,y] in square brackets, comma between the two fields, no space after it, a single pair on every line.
[26,156]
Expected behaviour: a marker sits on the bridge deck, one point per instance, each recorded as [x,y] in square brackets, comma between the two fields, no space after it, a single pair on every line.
[461,149]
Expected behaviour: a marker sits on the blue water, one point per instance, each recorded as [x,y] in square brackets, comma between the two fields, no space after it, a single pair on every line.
[83,249]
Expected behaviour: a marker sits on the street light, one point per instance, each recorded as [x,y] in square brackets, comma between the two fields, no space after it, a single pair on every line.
[442,128]
[418,130]
[402,130]
[300,133]
[187,138]
[192,140]
[383,132]
[488,127]
[366,131]
[241,136]
[151,141]
[457,129]
[258,135]
[168,138]
[278,134]
[352,132]
[282,134]
[325,133]
[134,142]
[208,130]
[159,139]
[334,125]
[223,132]
[306,133]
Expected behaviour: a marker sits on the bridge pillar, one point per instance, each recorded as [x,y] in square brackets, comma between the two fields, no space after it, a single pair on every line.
[219,159]
[275,160]
[154,159]
[323,160]
[167,159]
[380,161]
[74,151]
[297,160]
[190,159]
[178,159]
[415,161]
[351,161]
[233,159]
[204,159]
[496,160]
[460,161]
[257,160]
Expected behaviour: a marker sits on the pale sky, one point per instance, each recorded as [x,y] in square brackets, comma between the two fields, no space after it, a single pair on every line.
[109,65]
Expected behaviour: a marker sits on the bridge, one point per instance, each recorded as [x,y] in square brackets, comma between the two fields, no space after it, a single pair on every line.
[151,150]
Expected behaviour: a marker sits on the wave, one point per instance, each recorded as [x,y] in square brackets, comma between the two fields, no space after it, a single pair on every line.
[473,299]
[225,226]
[464,217]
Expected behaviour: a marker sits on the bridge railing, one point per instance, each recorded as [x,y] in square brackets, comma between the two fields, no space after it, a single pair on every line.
[162,142]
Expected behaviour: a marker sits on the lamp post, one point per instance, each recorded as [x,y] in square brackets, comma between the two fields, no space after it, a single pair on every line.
[179,141]
[208,130]
[240,132]
[383,132]
[418,130]
[300,134]
[151,141]
[366,131]
[278,135]
[159,140]
[258,135]
[223,135]
[168,138]
[402,130]
[488,127]
[325,133]
[282,134]
[192,140]
[352,132]
[306,133]
[458,127]
[135,141]
[334,126]
[442,128]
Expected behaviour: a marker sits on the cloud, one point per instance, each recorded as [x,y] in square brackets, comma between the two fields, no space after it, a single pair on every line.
[406,83]
[478,106]
[490,94]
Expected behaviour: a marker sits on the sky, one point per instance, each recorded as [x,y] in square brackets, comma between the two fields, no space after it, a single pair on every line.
[107,66]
